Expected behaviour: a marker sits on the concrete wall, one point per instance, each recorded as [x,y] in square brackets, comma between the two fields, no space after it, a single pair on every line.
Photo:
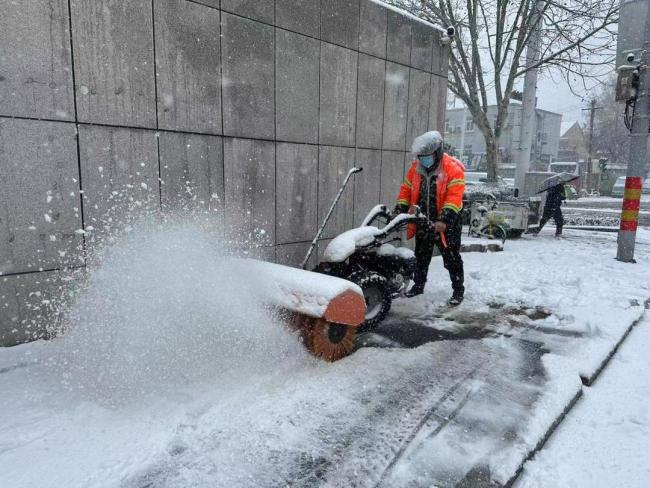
[260,106]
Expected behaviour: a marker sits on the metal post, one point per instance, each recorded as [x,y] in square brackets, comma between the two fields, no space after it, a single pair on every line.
[592,109]
[638,154]
[529,99]
[352,171]
[586,180]
[462,134]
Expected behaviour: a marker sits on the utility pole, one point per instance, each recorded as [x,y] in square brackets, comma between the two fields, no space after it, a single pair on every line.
[586,181]
[462,133]
[529,98]
[630,11]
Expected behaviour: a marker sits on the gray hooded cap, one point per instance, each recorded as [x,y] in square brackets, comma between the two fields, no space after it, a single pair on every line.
[427,143]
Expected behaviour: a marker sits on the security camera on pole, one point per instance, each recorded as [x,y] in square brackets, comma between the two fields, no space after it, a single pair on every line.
[633,87]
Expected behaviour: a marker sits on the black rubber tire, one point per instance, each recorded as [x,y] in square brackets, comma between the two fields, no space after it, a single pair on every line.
[369,281]
[500,233]
[515,234]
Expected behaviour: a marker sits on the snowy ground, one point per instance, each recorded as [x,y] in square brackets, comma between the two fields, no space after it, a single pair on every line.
[167,378]
[605,440]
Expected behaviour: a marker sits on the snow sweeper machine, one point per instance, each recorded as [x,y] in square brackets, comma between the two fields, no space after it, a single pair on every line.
[351,290]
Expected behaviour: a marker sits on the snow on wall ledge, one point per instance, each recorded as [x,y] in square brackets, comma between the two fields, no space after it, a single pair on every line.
[249,114]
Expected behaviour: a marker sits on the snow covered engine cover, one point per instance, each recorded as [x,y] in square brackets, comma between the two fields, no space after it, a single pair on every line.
[367,256]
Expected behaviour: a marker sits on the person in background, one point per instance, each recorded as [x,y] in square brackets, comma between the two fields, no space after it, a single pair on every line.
[436,183]
[553,209]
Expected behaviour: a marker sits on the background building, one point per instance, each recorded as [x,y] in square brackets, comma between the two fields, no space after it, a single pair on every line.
[468,144]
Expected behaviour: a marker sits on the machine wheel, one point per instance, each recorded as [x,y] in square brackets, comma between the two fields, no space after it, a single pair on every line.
[514,234]
[326,340]
[377,295]
[494,232]
[500,233]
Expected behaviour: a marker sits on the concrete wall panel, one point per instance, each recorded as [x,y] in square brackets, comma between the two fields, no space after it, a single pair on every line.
[191,168]
[372,29]
[396,106]
[322,245]
[408,161]
[392,174]
[248,78]
[338,90]
[35,60]
[340,22]
[39,196]
[114,62]
[262,10]
[263,253]
[296,192]
[209,3]
[366,183]
[423,42]
[299,16]
[119,175]
[250,190]
[187,63]
[297,72]
[370,101]
[293,254]
[333,166]
[31,306]
[437,109]
[440,60]
[418,111]
[398,46]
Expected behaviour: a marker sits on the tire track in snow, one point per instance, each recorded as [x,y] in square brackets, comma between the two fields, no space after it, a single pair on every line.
[426,419]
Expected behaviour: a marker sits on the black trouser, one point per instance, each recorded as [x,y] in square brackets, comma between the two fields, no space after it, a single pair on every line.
[425,240]
[554,213]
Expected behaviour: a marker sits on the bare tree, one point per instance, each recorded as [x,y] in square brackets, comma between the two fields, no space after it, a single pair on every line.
[611,137]
[488,55]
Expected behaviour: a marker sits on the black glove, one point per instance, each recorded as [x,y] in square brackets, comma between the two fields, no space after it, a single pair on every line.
[399,209]
[449,217]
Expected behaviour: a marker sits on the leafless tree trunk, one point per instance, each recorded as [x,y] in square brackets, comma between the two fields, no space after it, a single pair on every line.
[487,57]
[611,137]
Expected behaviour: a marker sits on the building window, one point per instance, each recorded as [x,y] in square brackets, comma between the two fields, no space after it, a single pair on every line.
[447,126]
[469,124]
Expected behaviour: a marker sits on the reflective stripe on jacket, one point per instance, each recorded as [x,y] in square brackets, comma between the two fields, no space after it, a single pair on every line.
[450,187]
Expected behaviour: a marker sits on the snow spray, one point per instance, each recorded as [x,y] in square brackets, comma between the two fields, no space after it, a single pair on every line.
[165,306]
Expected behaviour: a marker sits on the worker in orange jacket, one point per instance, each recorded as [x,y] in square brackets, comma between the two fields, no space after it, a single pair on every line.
[436,183]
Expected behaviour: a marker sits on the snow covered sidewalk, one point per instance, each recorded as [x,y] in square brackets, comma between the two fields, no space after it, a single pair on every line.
[169,380]
[605,439]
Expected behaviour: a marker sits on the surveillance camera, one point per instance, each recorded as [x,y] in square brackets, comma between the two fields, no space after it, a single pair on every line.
[630,58]
[451,31]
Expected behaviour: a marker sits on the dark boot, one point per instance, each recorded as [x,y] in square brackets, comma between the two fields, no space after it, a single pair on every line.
[456,298]
[415,290]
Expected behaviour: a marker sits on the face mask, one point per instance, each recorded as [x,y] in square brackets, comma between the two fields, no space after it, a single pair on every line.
[426,161]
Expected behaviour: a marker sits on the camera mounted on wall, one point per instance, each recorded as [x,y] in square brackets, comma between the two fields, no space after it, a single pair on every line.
[448,36]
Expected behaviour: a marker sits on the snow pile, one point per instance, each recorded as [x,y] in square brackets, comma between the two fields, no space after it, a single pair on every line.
[167,307]
[400,252]
[605,440]
[344,245]
[296,289]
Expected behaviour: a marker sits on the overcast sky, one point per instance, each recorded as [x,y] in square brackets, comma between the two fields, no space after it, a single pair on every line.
[555,95]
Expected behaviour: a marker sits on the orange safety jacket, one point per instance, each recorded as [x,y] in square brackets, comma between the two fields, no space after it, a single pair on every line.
[450,186]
